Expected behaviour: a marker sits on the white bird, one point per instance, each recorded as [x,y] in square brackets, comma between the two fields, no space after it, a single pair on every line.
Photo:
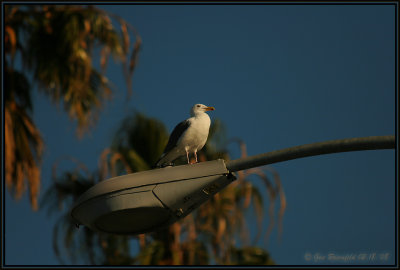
[189,136]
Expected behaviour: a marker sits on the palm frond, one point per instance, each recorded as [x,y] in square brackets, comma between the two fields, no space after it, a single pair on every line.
[146,136]
[24,148]
[56,44]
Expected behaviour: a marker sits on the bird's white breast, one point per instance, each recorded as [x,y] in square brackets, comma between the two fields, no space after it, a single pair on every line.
[196,135]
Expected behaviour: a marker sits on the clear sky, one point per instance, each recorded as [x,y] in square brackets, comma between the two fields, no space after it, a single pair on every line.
[278,76]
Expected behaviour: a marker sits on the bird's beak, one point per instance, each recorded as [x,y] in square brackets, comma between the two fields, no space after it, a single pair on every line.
[209,108]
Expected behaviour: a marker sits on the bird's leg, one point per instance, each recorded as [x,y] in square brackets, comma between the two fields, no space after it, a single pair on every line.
[195,155]
[187,155]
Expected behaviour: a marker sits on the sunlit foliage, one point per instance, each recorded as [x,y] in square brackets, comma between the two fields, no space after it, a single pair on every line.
[23,142]
[52,47]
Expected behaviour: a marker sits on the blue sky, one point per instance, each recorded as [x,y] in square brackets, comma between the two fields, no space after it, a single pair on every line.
[278,76]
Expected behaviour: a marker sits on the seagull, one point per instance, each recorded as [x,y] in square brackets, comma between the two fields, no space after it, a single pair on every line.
[189,136]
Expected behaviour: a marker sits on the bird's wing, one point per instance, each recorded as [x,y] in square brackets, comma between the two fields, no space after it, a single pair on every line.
[176,134]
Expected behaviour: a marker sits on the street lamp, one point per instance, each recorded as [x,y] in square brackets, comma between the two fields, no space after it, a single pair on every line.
[144,201]
[149,200]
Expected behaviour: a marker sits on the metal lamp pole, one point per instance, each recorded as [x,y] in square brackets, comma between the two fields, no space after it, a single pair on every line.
[313,149]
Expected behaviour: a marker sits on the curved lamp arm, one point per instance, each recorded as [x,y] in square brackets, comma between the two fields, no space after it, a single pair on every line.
[313,149]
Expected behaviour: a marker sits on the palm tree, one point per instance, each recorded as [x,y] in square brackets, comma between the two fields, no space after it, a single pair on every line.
[218,226]
[54,45]
[23,142]
[80,245]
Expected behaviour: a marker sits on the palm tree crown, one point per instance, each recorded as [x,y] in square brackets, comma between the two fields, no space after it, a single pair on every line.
[54,45]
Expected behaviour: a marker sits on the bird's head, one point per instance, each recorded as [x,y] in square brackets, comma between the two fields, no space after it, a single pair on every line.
[200,108]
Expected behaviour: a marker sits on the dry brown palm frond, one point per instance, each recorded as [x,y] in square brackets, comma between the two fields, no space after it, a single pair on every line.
[258,207]
[135,54]
[19,179]
[272,196]
[33,174]
[273,191]
[70,76]
[125,38]
[114,158]
[221,229]
[104,55]
[192,230]
[282,198]
[130,65]
[10,40]
[103,164]
[247,194]
[175,245]
[189,244]
[23,149]
[108,161]
[9,146]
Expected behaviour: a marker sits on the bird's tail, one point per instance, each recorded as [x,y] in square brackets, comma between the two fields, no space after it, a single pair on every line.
[156,165]
[160,163]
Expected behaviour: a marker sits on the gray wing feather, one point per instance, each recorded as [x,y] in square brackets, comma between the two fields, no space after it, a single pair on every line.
[174,138]
[176,134]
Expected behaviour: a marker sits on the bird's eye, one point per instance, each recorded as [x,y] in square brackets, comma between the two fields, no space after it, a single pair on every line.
[198,105]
